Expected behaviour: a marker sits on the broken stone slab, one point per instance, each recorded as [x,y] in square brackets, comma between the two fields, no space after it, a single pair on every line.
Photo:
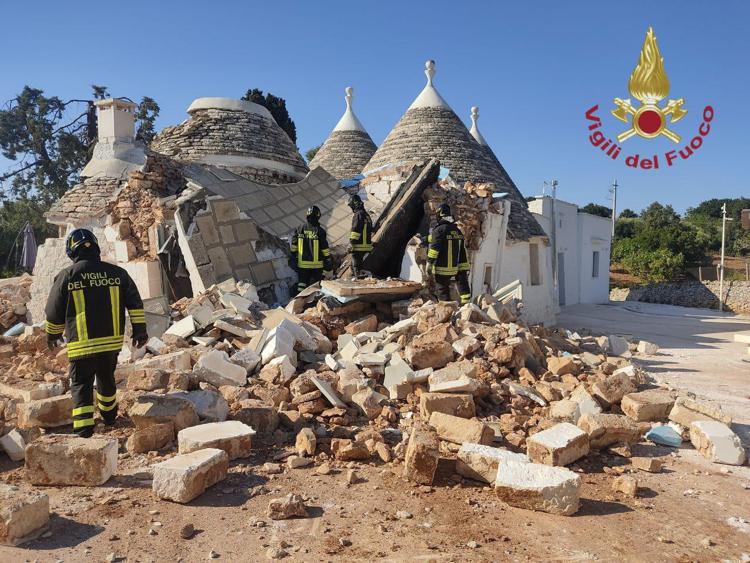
[147,380]
[174,361]
[647,348]
[332,362]
[375,359]
[152,409]
[280,342]
[232,436]
[429,354]
[237,303]
[422,455]
[686,411]
[290,506]
[327,391]
[606,429]
[24,515]
[480,462]
[421,376]
[215,368]
[461,385]
[716,442]
[26,391]
[247,358]
[184,328]
[368,323]
[151,438]
[279,370]
[565,411]
[370,402]
[344,449]
[562,444]
[562,365]
[448,403]
[586,403]
[465,346]
[648,406]
[611,391]
[397,371]
[534,486]
[45,413]
[527,392]
[14,445]
[63,459]
[453,371]
[186,476]
[210,405]
[461,430]
[618,346]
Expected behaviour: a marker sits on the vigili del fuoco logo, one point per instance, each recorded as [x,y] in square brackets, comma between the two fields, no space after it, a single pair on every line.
[649,117]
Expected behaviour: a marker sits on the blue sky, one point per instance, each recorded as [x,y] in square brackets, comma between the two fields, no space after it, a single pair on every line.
[533,68]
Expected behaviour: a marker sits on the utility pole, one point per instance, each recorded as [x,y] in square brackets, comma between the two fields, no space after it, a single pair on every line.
[724,220]
[553,232]
[613,191]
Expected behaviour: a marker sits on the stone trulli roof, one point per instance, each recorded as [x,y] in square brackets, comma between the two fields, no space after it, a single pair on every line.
[233,134]
[348,148]
[431,129]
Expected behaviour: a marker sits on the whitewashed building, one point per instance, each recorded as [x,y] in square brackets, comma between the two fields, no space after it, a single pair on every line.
[583,244]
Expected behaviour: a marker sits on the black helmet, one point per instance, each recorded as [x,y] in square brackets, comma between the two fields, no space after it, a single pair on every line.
[80,239]
[355,202]
[313,211]
[444,211]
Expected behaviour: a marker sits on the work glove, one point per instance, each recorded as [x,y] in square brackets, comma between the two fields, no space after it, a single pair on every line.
[140,340]
[54,341]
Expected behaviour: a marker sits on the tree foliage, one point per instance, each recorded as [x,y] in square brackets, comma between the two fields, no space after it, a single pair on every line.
[627,213]
[310,153]
[596,209]
[277,107]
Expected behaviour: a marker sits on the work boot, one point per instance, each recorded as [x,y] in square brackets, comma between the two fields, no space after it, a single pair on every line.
[85,432]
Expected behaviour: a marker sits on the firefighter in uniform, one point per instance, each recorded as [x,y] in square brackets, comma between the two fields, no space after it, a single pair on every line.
[87,303]
[360,237]
[310,255]
[447,258]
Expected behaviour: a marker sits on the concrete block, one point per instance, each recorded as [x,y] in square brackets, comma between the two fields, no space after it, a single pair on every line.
[215,368]
[480,462]
[562,444]
[63,459]
[232,436]
[45,413]
[24,515]
[607,429]
[461,430]
[184,328]
[453,404]
[611,391]
[716,442]
[648,406]
[14,445]
[153,409]
[186,476]
[538,487]
[422,455]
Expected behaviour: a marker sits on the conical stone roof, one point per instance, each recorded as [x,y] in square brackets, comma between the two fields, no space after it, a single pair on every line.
[348,148]
[237,135]
[431,129]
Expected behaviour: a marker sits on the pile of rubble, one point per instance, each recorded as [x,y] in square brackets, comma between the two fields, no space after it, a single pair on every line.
[447,394]
[14,294]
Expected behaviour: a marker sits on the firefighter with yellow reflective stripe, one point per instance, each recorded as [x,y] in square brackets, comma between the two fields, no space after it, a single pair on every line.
[309,252]
[360,237]
[447,258]
[87,304]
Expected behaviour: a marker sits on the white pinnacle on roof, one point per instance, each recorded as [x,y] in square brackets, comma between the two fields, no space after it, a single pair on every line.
[429,97]
[349,121]
[474,129]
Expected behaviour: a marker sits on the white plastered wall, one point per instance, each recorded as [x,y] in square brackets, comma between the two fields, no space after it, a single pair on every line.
[540,306]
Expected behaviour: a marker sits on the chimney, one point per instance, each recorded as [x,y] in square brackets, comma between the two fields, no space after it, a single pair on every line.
[116,120]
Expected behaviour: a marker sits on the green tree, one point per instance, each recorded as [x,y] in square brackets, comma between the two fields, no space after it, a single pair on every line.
[277,107]
[658,216]
[628,213]
[596,209]
[13,218]
[145,116]
[310,153]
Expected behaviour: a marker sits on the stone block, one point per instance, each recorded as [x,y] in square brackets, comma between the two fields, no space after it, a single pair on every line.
[686,411]
[279,370]
[534,486]
[625,484]
[650,464]
[618,345]
[461,430]
[174,361]
[26,391]
[448,403]
[429,354]
[280,342]
[647,348]
[306,442]
[45,413]
[369,402]
[151,438]
[24,515]
[565,411]
[716,442]
[562,444]
[63,459]
[453,371]
[365,324]
[349,450]
[215,368]
[147,380]
[232,436]
[210,405]
[586,403]
[422,455]
[327,390]
[14,445]
[562,365]
[247,358]
[648,406]
[186,476]
[607,429]
[465,346]
[257,415]
[611,391]
[184,328]
[480,462]
[462,385]
[152,409]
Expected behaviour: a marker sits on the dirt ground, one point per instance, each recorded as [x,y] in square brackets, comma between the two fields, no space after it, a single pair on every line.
[692,511]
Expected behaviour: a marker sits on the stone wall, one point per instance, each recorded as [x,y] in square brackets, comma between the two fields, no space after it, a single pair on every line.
[689,294]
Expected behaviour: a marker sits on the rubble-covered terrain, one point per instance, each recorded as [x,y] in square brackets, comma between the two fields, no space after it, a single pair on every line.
[239,405]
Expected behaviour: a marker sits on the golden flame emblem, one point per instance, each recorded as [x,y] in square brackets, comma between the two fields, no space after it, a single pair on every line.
[649,84]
